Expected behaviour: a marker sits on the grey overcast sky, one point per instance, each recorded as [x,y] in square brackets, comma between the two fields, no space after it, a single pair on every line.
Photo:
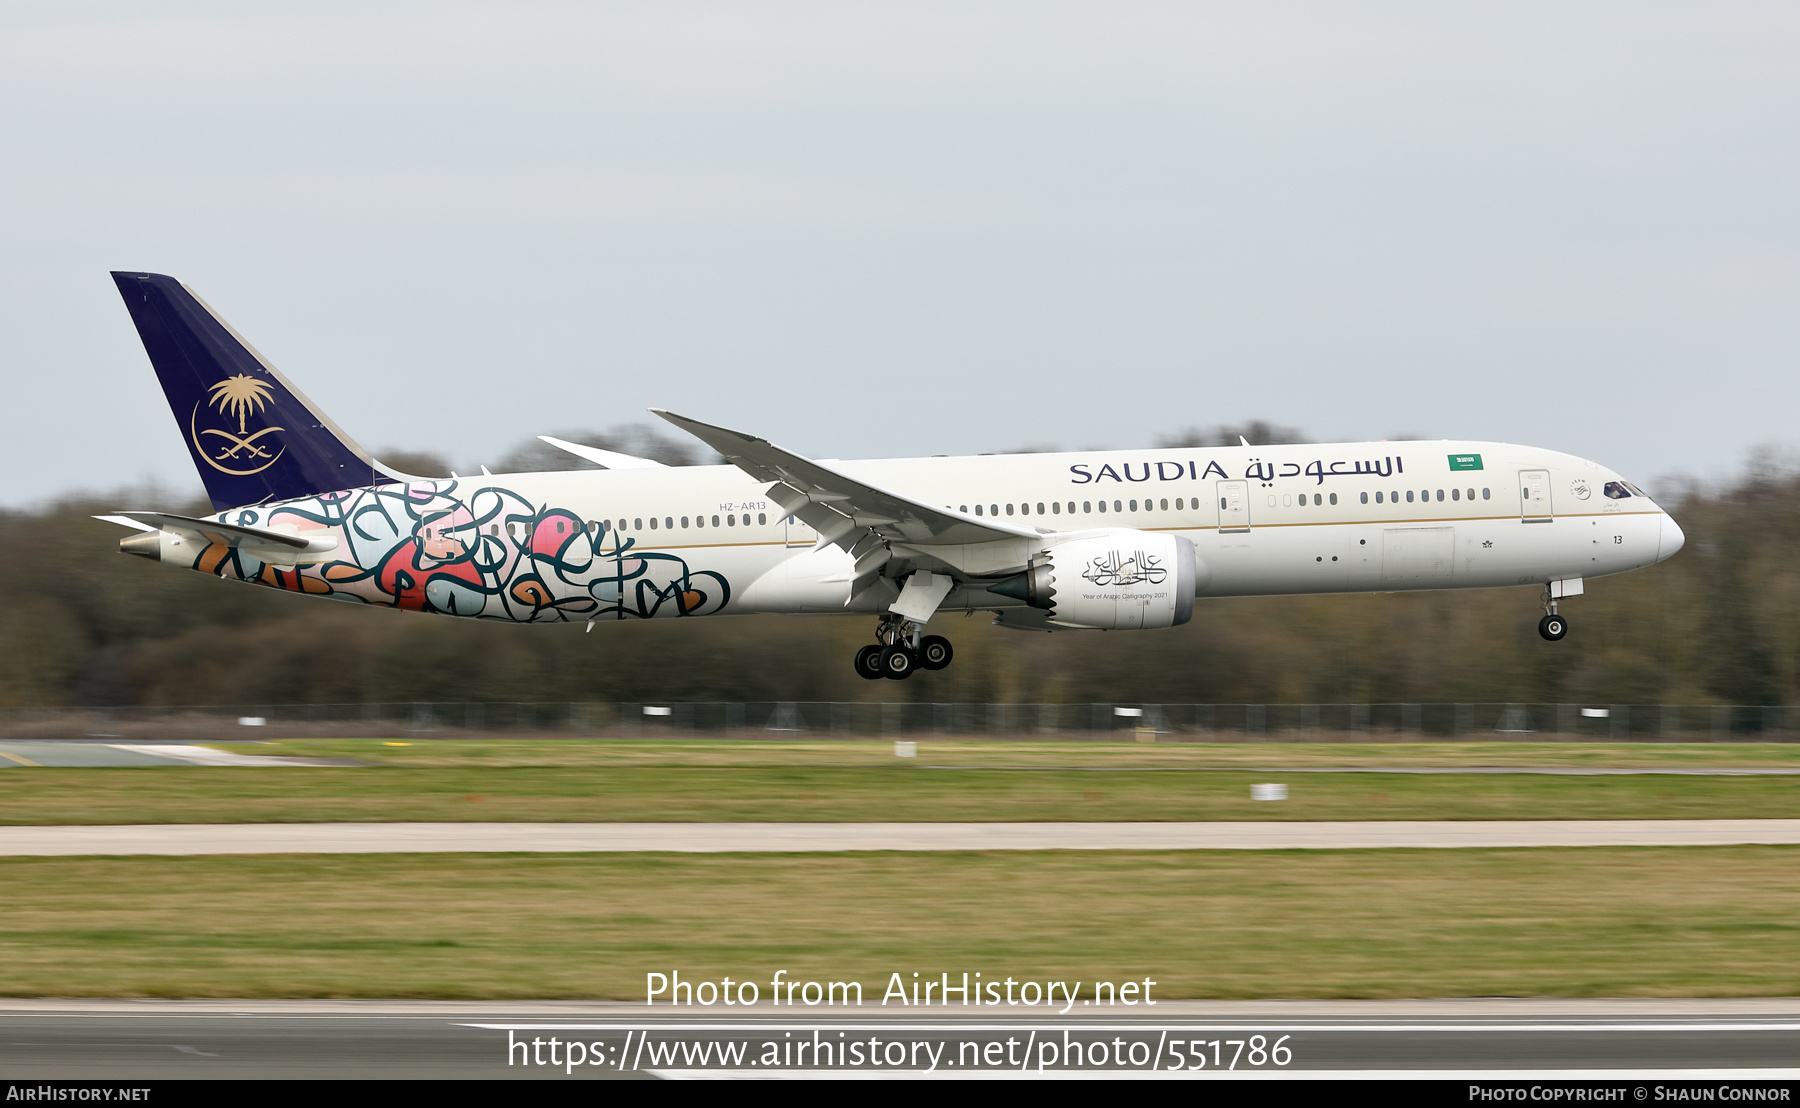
[890,229]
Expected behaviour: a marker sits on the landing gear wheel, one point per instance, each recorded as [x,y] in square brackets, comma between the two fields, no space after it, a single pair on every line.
[1553,627]
[868,663]
[897,662]
[935,652]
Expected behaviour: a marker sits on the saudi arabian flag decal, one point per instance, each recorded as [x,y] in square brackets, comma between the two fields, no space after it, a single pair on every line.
[1464,461]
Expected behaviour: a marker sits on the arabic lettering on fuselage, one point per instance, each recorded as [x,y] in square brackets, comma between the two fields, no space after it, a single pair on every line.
[1257,470]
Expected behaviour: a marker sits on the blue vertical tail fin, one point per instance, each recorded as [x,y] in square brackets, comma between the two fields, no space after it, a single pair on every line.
[252,435]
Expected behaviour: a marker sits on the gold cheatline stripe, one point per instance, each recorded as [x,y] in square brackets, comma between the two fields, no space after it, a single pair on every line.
[1209,527]
[21,760]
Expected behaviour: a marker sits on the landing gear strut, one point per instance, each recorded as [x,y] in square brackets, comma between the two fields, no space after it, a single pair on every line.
[1553,626]
[900,650]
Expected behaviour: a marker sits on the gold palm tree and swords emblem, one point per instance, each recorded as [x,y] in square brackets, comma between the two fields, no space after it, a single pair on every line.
[239,398]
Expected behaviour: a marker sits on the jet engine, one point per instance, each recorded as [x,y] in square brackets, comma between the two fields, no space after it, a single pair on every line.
[1113,580]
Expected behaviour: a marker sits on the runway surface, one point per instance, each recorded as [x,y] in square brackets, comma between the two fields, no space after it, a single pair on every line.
[1740,1041]
[63,755]
[707,838]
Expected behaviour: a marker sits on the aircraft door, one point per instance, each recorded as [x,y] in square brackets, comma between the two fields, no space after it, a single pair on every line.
[1534,496]
[797,533]
[1234,506]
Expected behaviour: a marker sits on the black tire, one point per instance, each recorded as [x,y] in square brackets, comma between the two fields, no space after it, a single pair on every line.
[1553,627]
[935,652]
[868,663]
[898,663]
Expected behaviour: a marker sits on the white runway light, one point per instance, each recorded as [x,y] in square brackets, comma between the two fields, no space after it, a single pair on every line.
[251,721]
[1268,792]
[906,749]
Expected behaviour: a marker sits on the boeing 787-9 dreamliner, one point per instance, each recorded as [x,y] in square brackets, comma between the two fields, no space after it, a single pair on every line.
[1121,540]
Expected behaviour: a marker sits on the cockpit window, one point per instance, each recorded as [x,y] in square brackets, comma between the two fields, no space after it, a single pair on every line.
[1635,491]
[1617,490]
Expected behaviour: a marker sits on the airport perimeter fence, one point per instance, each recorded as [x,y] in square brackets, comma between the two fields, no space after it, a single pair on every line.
[849,720]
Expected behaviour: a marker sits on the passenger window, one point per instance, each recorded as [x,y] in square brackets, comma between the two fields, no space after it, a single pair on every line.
[1334,498]
[1471,494]
[993,509]
[1134,505]
[1377,498]
[1317,498]
[1102,504]
[731,521]
[1485,494]
[700,521]
[978,509]
[637,525]
[963,508]
[684,522]
[1456,494]
[652,524]
[1087,506]
[1178,502]
[1056,507]
[1009,509]
[762,519]
[1116,506]
[1365,497]
[1440,496]
[1165,505]
[1409,498]
[561,527]
[1071,507]
[715,521]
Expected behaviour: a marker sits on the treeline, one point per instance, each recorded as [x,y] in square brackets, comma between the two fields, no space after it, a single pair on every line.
[1719,623]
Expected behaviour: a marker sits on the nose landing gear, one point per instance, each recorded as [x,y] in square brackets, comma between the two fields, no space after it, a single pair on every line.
[1553,626]
[900,651]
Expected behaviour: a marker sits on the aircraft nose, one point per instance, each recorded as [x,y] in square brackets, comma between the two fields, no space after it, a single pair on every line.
[1670,540]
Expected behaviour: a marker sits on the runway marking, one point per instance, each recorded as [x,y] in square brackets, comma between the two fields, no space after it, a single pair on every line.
[18,759]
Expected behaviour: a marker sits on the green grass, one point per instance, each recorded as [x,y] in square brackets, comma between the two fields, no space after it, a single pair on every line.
[701,782]
[1706,921]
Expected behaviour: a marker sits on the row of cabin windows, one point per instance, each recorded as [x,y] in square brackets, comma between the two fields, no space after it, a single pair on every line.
[600,527]
[1318,500]
[1425,494]
[668,522]
[1055,508]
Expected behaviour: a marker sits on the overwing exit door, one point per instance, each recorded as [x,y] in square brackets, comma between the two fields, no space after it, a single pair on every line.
[1234,506]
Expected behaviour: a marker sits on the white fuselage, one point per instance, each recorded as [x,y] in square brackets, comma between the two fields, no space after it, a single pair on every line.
[704,540]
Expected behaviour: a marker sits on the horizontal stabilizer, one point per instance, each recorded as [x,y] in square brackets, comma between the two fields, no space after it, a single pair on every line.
[225,534]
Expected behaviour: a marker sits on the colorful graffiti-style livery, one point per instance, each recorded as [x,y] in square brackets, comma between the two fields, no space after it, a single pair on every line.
[490,553]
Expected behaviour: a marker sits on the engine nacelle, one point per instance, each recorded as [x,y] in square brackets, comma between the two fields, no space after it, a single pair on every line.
[1111,580]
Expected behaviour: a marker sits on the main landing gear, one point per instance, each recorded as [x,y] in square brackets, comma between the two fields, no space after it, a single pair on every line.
[1553,626]
[900,650]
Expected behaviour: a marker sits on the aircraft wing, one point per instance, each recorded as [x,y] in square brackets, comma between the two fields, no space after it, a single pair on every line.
[847,511]
[611,459]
